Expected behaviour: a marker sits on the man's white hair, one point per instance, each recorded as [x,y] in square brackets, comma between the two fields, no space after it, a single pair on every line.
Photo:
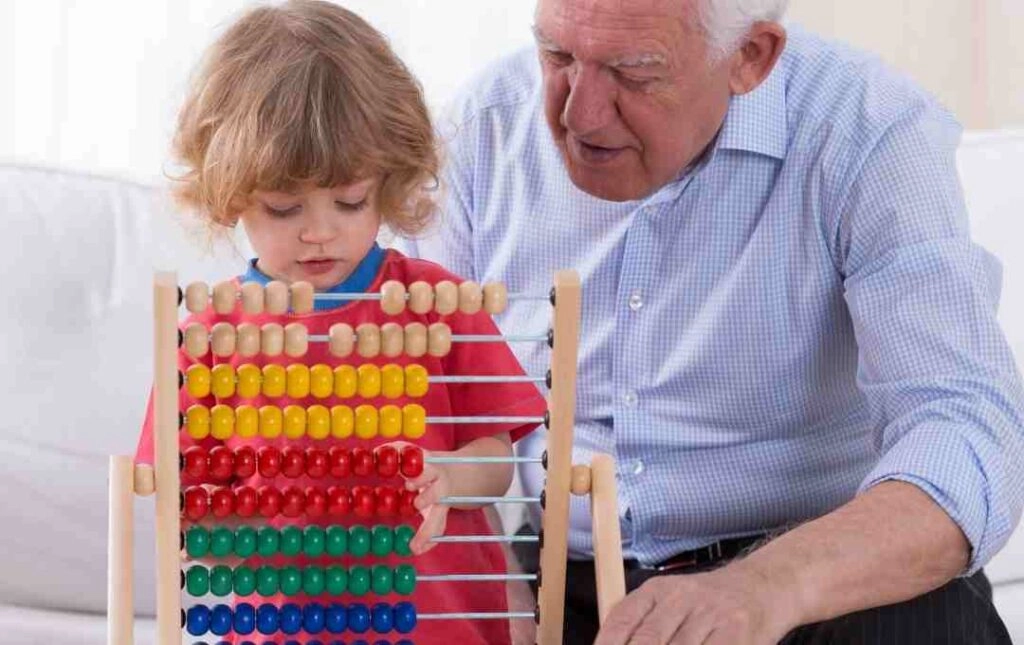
[725,22]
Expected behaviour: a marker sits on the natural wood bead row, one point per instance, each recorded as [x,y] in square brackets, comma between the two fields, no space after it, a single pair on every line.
[367,340]
[276,298]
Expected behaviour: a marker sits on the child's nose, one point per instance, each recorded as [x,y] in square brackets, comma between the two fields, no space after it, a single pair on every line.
[319,228]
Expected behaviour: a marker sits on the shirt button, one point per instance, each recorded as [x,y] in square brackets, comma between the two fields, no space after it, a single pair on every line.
[638,467]
[636,301]
[629,399]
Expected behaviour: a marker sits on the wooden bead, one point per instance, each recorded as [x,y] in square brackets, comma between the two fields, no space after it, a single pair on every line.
[248,341]
[392,297]
[302,298]
[471,297]
[342,340]
[225,295]
[415,339]
[197,297]
[392,339]
[439,340]
[296,340]
[222,339]
[252,298]
[579,482]
[495,297]
[446,297]
[421,297]
[275,298]
[272,339]
[197,340]
[368,340]
[144,480]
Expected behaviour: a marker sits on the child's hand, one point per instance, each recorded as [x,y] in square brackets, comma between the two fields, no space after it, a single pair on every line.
[432,484]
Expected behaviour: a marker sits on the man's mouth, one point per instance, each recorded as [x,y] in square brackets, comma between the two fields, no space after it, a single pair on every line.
[591,153]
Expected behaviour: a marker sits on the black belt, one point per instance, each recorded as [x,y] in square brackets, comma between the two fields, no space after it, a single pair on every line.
[705,555]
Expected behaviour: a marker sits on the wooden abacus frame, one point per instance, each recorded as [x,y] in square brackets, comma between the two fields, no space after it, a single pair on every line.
[563,478]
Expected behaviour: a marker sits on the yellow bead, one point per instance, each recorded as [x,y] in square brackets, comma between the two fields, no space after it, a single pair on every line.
[414,421]
[366,422]
[369,381]
[273,380]
[222,421]
[318,422]
[342,422]
[321,381]
[247,421]
[345,381]
[294,422]
[392,381]
[222,382]
[270,422]
[390,421]
[298,381]
[198,381]
[197,421]
[248,381]
[416,381]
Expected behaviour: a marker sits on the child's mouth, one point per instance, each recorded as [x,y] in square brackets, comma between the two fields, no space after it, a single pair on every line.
[318,267]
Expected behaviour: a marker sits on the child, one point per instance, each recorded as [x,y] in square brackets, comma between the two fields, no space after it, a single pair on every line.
[305,127]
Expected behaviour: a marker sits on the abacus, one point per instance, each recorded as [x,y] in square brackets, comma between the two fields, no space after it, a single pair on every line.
[336,464]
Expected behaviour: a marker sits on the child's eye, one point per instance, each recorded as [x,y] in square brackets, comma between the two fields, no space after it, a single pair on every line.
[351,206]
[280,212]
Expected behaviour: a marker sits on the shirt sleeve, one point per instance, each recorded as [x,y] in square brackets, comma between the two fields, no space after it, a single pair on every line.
[941,383]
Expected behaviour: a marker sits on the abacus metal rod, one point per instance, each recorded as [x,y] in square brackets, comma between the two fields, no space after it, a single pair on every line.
[477,615]
[375,295]
[486,379]
[487,499]
[483,539]
[483,419]
[477,577]
[467,338]
[483,460]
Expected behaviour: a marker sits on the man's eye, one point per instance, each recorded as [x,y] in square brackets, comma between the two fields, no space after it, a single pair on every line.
[351,206]
[558,58]
[635,82]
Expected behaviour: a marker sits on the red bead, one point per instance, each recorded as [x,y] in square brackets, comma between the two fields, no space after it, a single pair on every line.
[316,502]
[197,503]
[338,501]
[293,502]
[269,460]
[293,462]
[405,503]
[387,461]
[362,462]
[412,461]
[316,463]
[387,501]
[245,462]
[269,501]
[195,463]
[341,461]
[222,464]
[363,502]
[222,502]
[246,501]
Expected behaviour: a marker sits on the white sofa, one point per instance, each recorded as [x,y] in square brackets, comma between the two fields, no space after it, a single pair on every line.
[76,255]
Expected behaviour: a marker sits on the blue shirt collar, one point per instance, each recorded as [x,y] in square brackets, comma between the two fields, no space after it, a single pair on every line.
[357,282]
[757,121]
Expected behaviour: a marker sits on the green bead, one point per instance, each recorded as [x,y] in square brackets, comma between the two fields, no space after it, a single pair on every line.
[314,541]
[313,581]
[336,580]
[221,580]
[383,540]
[290,580]
[337,540]
[197,581]
[291,541]
[197,542]
[266,581]
[222,542]
[358,581]
[382,579]
[359,541]
[405,579]
[403,535]
[245,541]
[245,581]
[268,540]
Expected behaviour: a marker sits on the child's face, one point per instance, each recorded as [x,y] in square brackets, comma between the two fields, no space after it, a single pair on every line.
[314,234]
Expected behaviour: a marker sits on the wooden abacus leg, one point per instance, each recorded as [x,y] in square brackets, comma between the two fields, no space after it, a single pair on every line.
[120,610]
[604,509]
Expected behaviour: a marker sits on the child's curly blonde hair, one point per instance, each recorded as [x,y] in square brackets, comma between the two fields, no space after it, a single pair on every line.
[305,91]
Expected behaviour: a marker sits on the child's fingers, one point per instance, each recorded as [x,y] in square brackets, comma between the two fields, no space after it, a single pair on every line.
[435,518]
[425,479]
[428,497]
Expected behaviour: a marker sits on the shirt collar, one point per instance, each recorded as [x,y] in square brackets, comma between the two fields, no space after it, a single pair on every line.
[756,122]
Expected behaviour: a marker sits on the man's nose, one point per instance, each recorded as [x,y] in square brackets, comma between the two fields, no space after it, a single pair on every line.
[590,104]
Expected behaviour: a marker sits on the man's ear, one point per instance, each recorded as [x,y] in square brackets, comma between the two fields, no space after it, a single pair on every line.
[756,57]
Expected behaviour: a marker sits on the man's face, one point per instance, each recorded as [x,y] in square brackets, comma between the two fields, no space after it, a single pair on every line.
[630,94]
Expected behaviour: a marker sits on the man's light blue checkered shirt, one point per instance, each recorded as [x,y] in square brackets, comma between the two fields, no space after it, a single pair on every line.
[798,318]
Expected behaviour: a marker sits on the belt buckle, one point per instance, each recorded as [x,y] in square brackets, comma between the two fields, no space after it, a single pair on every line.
[676,564]
[713,552]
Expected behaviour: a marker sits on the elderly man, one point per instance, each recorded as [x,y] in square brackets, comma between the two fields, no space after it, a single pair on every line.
[789,342]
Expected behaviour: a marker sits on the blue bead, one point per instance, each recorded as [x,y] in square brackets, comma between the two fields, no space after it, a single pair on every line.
[382,619]
[197,620]
[221,620]
[245,619]
[404,641]
[291,618]
[404,617]
[313,618]
[266,619]
[360,642]
[336,619]
[358,618]
[381,642]
[314,642]
[292,643]
[336,643]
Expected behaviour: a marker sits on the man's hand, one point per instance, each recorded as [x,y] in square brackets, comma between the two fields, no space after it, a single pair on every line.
[729,606]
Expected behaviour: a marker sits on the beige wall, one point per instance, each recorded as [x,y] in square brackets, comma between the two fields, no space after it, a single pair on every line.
[968,52]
